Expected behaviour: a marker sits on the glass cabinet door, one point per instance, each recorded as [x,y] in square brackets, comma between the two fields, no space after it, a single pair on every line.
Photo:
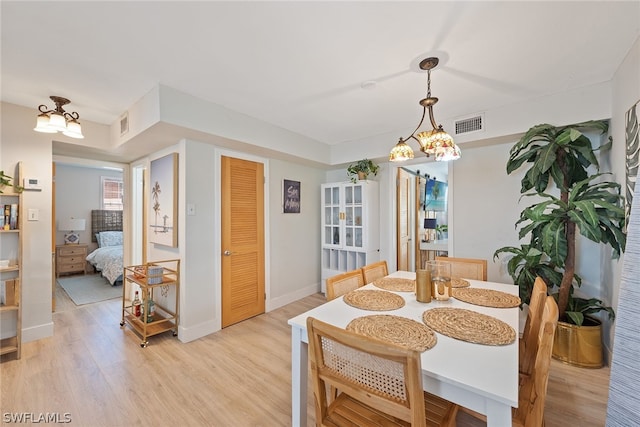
[343,216]
[357,194]
[331,217]
[353,212]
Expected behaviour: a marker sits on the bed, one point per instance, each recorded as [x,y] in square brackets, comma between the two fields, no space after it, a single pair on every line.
[106,231]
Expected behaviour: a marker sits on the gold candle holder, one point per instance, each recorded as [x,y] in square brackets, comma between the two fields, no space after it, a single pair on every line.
[423,286]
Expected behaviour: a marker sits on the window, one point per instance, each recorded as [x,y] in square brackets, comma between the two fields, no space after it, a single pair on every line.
[112,193]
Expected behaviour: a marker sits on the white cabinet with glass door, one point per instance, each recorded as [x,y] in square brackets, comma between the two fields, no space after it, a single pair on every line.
[350,226]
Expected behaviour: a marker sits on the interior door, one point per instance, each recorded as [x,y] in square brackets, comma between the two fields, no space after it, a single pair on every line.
[243,283]
[403,195]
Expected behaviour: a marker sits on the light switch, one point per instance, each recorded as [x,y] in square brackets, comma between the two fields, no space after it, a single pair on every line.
[33,214]
[191,209]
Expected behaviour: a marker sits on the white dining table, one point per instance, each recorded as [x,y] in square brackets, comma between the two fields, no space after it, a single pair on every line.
[483,378]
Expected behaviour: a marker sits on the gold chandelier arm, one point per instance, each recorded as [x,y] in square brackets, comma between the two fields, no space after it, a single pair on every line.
[424,113]
[433,120]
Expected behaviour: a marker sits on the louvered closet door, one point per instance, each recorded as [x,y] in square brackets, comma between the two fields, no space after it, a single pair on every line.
[242,216]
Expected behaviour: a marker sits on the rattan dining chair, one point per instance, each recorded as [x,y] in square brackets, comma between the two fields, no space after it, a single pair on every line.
[374,271]
[529,341]
[380,383]
[532,390]
[342,283]
[466,268]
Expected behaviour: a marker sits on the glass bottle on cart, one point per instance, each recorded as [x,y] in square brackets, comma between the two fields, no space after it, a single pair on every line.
[136,304]
[150,311]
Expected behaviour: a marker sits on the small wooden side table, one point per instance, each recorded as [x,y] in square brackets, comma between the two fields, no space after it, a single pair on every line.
[71,259]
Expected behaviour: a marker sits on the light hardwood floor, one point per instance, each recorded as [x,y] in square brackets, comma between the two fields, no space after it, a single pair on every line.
[63,302]
[241,376]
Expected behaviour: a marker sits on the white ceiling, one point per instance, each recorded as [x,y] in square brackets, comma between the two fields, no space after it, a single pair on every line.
[301,65]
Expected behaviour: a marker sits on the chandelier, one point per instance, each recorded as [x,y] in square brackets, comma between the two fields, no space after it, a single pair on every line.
[58,120]
[435,142]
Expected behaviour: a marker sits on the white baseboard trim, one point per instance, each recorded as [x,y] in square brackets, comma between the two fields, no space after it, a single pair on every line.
[198,331]
[278,302]
[37,332]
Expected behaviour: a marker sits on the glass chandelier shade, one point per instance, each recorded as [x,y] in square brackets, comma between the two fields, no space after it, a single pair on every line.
[435,142]
[439,144]
[42,124]
[73,129]
[57,122]
[401,152]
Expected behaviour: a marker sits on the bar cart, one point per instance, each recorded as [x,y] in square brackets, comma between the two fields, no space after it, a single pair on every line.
[158,286]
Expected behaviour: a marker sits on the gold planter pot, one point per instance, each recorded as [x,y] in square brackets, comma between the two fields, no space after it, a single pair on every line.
[579,345]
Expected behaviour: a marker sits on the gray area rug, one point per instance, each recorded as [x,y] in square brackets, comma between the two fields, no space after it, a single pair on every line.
[89,288]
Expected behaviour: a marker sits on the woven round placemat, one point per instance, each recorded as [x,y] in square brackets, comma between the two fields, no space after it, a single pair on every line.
[396,284]
[459,283]
[374,300]
[467,325]
[395,329]
[486,297]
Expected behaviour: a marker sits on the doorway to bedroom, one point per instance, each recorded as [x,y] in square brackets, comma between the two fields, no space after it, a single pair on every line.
[422,214]
[83,188]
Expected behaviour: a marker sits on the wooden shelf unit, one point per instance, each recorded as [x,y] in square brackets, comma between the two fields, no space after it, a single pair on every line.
[11,242]
[152,280]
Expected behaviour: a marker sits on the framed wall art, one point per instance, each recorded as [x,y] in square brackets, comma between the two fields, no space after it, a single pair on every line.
[632,140]
[291,195]
[435,195]
[163,207]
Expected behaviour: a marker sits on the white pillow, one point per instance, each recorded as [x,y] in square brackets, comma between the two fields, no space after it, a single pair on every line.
[110,238]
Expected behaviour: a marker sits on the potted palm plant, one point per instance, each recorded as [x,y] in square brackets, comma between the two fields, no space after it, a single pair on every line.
[361,169]
[574,196]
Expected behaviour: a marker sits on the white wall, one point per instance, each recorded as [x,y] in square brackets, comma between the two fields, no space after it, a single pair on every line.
[200,311]
[78,192]
[485,207]
[294,238]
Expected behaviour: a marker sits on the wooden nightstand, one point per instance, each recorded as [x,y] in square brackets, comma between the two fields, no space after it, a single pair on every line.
[71,259]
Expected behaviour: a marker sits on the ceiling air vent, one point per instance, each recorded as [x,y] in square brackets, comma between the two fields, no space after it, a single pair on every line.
[469,124]
[124,123]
